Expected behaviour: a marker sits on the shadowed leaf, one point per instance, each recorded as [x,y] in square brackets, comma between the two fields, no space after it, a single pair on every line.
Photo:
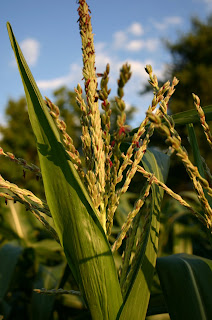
[186,279]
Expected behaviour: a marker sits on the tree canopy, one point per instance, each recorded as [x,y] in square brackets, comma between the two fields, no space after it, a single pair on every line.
[192,65]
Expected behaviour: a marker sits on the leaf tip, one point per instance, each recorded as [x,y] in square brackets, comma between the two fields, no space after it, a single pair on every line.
[8,26]
[9,29]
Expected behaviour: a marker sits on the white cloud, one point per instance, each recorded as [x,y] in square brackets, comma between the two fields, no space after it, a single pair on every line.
[106,54]
[136,29]
[53,84]
[138,68]
[100,46]
[167,22]
[72,78]
[134,45]
[31,50]
[101,61]
[102,57]
[124,40]
[151,44]
[120,39]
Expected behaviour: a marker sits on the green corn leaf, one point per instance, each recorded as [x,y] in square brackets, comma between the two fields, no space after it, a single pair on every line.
[81,234]
[197,156]
[137,297]
[186,117]
[48,278]
[186,281]
[9,255]
[195,149]
[191,116]
[156,305]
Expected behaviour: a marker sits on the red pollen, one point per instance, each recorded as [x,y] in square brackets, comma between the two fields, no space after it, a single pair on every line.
[121,130]
[113,143]
[136,143]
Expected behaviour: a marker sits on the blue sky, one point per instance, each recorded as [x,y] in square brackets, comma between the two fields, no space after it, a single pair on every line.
[125,31]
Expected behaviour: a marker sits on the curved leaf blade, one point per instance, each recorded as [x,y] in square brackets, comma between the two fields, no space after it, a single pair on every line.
[186,117]
[191,116]
[81,234]
[197,156]
[195,149]
[137,298]
[186,279]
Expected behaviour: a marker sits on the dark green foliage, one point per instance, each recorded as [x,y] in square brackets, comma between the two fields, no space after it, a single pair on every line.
[186,292]
[192,65]
[35,261]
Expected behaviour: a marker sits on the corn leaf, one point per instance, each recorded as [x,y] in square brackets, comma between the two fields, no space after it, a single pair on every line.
[186,281]
[195,149]
[9,256]
[191,116]
[197,156]
[186,117]
[137,298]
[156,305]
[48,278]
[81,234]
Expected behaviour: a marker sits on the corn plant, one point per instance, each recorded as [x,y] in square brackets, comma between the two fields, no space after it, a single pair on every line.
[84,192]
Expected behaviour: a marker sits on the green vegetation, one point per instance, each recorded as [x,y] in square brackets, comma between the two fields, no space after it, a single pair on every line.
[93,252]
[191,64]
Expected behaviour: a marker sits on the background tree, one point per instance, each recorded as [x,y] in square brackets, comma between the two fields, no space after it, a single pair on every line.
[192,65]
